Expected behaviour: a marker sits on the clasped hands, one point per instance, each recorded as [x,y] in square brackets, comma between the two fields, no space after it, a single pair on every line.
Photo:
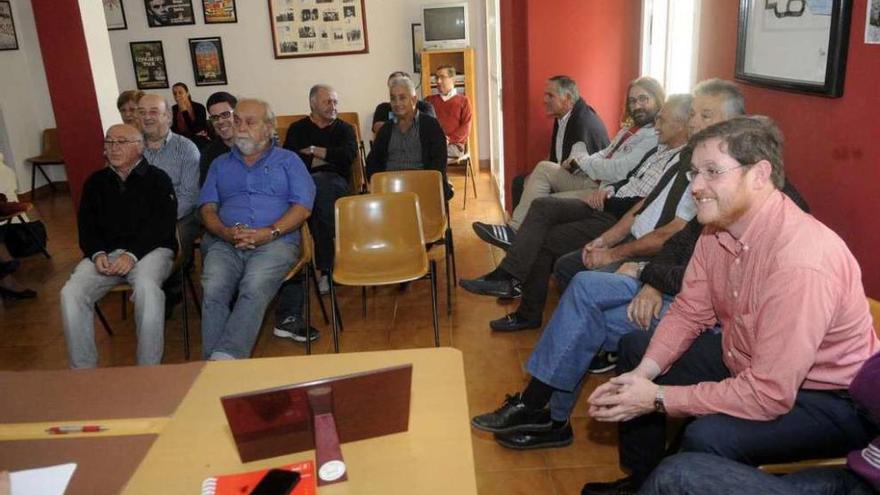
[623,398]
[244,237]
[118,267]
[595,254]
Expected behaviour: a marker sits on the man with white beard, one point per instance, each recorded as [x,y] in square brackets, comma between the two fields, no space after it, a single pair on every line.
[253,203]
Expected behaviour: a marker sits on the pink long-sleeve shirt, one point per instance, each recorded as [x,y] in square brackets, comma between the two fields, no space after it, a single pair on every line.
[789,297]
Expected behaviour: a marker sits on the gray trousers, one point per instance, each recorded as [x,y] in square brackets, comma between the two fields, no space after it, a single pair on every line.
[549,179]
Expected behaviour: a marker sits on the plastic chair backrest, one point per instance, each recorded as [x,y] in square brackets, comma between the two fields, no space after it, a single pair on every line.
[379,239]
[51,146]
[428,184]
[283,122]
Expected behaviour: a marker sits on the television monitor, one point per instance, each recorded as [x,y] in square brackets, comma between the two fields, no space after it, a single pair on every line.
[445,26]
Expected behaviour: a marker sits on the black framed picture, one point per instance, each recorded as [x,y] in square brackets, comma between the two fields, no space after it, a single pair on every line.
[114,13]
[209,68]
[317,28]
[795,46]
[148,60]
[418,43]
[219,11]
[8,37]
[161,13]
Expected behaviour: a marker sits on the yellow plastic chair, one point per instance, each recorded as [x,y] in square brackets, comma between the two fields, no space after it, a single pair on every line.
[465,159]
[380,241]
[358,171]
[428,185]
[306,262]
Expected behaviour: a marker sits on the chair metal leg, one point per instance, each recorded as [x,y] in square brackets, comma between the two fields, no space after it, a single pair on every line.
[185,317]
[307,312]
[450,247]
[448,283]
[34,236]
[434,303]
[312,273]
[33,180]
[464,203]
[46,176]
[470,167]
[103,320]
[335,310]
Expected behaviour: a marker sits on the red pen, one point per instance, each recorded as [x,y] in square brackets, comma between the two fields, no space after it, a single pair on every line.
[61,430]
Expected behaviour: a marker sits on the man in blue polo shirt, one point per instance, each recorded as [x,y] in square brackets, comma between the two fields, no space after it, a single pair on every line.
[253,203]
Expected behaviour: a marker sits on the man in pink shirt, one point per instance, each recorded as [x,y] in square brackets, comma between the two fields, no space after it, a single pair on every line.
[453,111]
[771,387]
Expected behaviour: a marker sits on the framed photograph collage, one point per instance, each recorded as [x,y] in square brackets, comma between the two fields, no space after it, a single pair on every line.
[8,36]
[312,28]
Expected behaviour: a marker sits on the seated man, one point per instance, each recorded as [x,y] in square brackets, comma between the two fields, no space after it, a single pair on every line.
[126,225]
[252,205]
[415,141]
[383,112]
[556,226]
[221,107]
[585,144]
[772,388]
[328,146]
[453,111]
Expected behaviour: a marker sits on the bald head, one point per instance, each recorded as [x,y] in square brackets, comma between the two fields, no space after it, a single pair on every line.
[154,114]
[123,146]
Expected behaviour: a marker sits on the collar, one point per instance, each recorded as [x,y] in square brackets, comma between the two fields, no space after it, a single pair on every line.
[235,152]
[450,95]
[762,222]
[564,119]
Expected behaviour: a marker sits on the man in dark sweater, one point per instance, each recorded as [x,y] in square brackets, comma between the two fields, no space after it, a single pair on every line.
[127,220]
[220,114]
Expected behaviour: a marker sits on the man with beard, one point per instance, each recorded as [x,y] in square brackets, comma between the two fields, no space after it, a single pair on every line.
[580,156]
[254,200]
[772,386]
[220,114]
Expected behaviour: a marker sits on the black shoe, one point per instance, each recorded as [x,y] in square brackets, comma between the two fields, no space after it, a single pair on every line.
[293,327]
[7,267]
[623,486]
[603,362]
[517,292]
[497,235]
[512,416]
[483,287]
[513,323]
[525,440]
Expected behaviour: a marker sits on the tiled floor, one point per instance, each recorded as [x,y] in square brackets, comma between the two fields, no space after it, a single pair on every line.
[31,338]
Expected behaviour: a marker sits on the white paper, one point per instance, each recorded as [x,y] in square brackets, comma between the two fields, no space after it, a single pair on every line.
[50,480]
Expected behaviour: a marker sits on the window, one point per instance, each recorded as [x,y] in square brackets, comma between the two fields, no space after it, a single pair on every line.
[669,42]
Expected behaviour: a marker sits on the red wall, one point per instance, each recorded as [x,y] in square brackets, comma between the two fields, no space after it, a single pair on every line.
[594,41]
[832,145]
[71,87]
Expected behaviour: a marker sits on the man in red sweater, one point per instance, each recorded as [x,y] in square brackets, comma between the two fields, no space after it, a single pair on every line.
[453,111]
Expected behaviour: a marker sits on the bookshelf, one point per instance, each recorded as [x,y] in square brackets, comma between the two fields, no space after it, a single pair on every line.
[465,82]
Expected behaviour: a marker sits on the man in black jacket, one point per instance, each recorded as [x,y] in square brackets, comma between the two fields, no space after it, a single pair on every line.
[127,220]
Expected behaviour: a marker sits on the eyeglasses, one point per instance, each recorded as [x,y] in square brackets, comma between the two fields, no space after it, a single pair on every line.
[150,113]
[709,174]
[112,143]
[641,99]
[221,116]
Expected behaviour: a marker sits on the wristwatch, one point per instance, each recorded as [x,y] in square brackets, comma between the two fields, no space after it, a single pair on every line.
[642,265]
[312,149]
[659,405]
[276,232]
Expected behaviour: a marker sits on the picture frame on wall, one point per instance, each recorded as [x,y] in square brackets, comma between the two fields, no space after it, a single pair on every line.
[872,23]
[318,28]
[148,60]
[114,13]
[209,68]
[162,13]
[418,44]
[219,11]
[8,36]
[794,46]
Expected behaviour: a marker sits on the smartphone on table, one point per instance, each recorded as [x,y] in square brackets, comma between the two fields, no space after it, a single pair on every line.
[277,482]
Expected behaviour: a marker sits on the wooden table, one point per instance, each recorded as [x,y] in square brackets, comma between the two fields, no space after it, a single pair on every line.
[434,456]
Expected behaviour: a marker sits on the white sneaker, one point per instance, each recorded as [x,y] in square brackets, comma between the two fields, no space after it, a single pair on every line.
[324,285]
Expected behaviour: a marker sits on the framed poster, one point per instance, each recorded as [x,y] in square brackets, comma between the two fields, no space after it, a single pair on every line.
[796,46]
[169,12]
[315,28]
[872,22]
[219,11]
[114,13]
[148,60]
[8,38]
[209,68]
[418,43]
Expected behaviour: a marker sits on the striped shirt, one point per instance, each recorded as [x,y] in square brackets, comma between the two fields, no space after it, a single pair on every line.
[179,158]
[647,176]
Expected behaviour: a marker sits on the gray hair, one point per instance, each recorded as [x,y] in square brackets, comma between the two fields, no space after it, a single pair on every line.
[405,82]
[313,93]
[566,86]
[680,105]
[734,101]
[270,115]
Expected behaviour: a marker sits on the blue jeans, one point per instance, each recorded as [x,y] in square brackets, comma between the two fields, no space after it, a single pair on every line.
[255,275]
[698,474]
[591,316]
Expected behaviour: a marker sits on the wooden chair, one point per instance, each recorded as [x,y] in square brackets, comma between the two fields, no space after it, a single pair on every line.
[428,185]
[465,159]
[50,154]
[306,262]
[358,168]
[282,123]
[380,241]
[7,219]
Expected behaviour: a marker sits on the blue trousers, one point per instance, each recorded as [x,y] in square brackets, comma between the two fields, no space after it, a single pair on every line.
[591,316]
[698,474]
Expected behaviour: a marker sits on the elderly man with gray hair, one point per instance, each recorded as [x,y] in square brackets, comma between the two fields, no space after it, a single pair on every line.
[414,141]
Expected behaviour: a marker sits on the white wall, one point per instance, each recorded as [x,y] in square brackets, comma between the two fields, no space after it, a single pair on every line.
[253,70]
[24,99]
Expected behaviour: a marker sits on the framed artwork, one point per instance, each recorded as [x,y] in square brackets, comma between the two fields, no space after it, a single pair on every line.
[418,43]
[209,69]
[162,13]
[8,37]
[148,60]
[872,22]
[219,11]
[114,13]
[315,28]
[794,45]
